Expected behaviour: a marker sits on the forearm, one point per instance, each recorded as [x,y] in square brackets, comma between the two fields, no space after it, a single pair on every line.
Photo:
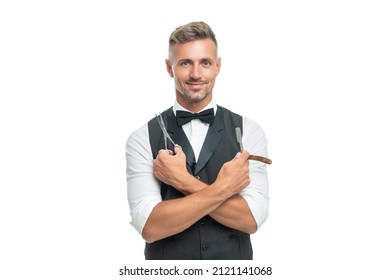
[173,216]
[233,212]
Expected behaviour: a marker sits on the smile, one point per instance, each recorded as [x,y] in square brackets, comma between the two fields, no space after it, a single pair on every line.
[195,84]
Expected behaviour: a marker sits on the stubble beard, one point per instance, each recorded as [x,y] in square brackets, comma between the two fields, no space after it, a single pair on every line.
[197,96]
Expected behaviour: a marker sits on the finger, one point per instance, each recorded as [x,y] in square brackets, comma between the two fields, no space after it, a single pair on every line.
[178,150]
[243,155]
[162,154]
[163,151]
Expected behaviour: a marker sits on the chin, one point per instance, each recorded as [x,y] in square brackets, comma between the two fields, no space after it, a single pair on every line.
[196,97]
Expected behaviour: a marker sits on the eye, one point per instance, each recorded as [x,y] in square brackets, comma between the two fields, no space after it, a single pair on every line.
[185,63]
[206,63]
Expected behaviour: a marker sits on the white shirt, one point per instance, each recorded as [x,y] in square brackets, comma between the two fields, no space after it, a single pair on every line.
[143,189]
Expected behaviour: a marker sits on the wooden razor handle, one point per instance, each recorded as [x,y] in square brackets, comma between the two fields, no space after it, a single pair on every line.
[260,158]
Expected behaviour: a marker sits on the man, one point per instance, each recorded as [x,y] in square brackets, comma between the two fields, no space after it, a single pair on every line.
[202,198]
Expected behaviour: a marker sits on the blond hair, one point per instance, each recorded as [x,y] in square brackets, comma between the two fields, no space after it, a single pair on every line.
[192,31]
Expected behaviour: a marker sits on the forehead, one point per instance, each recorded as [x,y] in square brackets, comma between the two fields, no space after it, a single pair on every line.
[198,49]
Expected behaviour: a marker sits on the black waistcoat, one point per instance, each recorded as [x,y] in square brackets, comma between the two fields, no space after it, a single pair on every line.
[206,239]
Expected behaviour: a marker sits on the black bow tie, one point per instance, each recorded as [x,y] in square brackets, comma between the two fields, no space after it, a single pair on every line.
[206,116]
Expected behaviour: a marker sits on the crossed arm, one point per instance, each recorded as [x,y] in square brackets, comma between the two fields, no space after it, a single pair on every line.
[220,200]
[233,199]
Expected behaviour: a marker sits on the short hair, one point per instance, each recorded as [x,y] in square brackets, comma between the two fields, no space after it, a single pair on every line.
[192,31]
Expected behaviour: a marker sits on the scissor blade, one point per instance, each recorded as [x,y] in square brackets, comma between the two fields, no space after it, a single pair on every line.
[163,129]
[158,117]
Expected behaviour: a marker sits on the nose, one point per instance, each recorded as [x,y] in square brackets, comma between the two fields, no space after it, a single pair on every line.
[195,72]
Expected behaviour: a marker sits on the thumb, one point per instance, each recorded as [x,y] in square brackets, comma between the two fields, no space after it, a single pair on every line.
[178,150]
[243,155]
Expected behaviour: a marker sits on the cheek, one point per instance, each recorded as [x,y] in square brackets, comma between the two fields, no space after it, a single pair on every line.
[211,74]
[179,83]
[179,77]
[212,77]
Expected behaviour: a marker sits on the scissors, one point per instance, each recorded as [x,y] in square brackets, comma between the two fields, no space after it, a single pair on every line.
[164,131]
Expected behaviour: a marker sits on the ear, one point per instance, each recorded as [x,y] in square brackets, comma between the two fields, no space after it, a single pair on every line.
[219,62]
[169,67]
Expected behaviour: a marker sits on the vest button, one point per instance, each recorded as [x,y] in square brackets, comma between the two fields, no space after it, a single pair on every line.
[204,247]
[197,177]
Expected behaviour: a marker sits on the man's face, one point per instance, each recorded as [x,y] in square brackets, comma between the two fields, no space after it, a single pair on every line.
[194,67]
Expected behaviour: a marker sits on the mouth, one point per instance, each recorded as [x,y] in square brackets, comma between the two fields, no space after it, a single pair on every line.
[196,85]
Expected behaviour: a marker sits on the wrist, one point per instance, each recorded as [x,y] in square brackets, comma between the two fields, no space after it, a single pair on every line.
[221,189]
[190,184]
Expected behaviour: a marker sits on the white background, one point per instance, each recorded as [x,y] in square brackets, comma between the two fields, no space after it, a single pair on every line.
[74,76]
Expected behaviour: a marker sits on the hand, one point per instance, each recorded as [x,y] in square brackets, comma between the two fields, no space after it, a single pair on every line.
[170,168]
[234,174]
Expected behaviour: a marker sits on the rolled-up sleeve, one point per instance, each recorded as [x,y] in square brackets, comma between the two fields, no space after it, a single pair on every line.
[256,194]
[143,189]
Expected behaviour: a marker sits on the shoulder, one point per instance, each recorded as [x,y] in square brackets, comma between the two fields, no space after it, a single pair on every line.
[142,133]
[252,127]
[138,137]
[229,116]
[248,124]
[152,123]
[254,137]
[226,111]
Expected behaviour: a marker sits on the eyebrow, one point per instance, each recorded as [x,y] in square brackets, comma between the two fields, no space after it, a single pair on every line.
[191,60]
